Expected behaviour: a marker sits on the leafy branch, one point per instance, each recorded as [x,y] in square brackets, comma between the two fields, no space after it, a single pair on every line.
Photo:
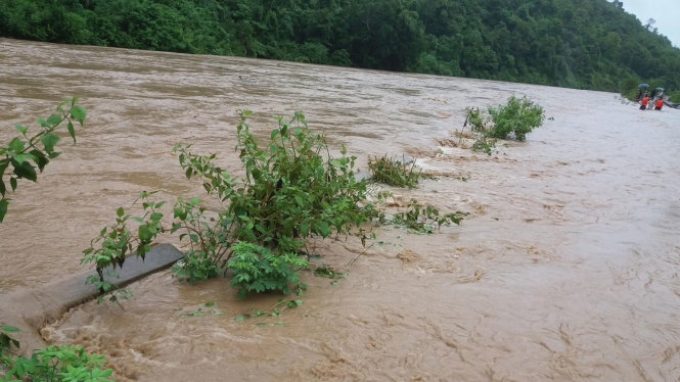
[25,153]
[116,241]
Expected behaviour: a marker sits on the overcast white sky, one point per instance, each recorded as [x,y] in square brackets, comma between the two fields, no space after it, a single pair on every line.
[665,12]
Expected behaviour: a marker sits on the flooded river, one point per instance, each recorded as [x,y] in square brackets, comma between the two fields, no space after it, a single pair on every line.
[566,268]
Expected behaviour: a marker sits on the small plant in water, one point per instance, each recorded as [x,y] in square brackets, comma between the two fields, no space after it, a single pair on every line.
[394,172]
[109,250]
[424,218]
[276,310]
[485,144]
[328,272]
[65,363]
[517,117]
[256,268]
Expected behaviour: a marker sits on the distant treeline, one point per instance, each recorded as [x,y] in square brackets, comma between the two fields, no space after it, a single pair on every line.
[590,44]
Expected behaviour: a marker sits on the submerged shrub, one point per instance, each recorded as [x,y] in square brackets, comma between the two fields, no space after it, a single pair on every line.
[293,189]
[517,117]
[394,172]
[257,269]
[54,363]
[423,218]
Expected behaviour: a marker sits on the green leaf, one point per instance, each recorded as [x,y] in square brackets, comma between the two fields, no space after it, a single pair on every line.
[9,329]
[54,119]
[21,129]
[16,145]
[21,158]
[13,183]
[24,170]
[324,229]
[144,233]
[78,113]
[240,318]
[49,140]
[3,188]
[71,131]
[40,159]
[120,211]
[3,208]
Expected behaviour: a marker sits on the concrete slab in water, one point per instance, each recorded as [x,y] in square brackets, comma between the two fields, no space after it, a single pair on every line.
[30,310]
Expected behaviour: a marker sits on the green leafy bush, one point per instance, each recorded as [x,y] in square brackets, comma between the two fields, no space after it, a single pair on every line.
[293,188]
[517,117]
[474,117]
[65,363]
[116,241]
[209,242]
[394,172]
[485,144]
[257,269]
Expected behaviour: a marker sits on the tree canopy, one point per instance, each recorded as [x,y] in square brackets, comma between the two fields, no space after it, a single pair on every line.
[588,44]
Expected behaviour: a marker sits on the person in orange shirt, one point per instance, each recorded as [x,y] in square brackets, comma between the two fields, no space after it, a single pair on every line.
[659,104]
[643,102]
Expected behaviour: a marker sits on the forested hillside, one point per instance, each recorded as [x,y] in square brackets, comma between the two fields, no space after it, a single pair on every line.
[591,44]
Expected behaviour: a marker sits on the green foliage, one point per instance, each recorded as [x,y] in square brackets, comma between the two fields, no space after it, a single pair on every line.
[115,242]
[394,172]
[518,117]
[276,311]
[209,242]
[7,342]
[66,363]
[475,119]
[485,144]
[293,188]
[674,97]
[328,272]
[200,312]
[423,218]
[25,153]
[257,269]
[479,123]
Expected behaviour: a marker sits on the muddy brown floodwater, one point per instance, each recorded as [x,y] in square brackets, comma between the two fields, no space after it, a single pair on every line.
[565,270]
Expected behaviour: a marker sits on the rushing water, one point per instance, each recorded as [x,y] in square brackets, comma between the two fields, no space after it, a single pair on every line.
[565,270]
